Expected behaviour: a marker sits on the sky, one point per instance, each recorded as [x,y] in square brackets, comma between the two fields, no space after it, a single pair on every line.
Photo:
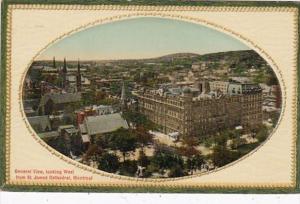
[138,38]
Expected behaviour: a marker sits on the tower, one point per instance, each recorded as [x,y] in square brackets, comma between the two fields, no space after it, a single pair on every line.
[64,74]
[78,78]
[54,63]
[123,96]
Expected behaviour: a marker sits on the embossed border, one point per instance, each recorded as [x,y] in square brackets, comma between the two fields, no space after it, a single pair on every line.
[148,8]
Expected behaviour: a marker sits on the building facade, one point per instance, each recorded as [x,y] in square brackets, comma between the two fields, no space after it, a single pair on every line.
[205,114]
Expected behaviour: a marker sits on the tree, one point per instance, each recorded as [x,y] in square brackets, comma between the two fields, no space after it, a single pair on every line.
[61,146]
[139,119]
[124,141]
[144,138]
[262,133]
[107,101]
[88,98]
[109,162]
[128,168]
[221,140]
[188,151]
[189,148]
[221,155]
[271,79]
[166,158]
[36,75]
[236,142]
[143,159]
[194,163]
[176,171]
[90,151]
[190,141]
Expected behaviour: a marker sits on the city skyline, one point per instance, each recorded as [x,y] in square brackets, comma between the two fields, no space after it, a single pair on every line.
[157,37]
[161,118]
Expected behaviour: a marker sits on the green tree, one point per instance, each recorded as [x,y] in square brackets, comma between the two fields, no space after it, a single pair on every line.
[221,156]
[36,75]
[262,133]
[128,168]
[124,141]
[139,119]
[61,146]
[271,79]
[143,159]
[144,138]
[109,162]
[221,139]
[176,171]
[194,163]
[166,158]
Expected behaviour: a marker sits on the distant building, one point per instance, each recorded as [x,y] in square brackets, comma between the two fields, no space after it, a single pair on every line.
[67,133]
[40,123]
[97,125]
[30,107]
[206,113]
[67,130]
[103,109]
[81,115]
[48,135]
[221,86]
[240,79]
[57,101]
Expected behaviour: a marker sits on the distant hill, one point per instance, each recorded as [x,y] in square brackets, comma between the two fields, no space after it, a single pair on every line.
[238,61]
[232,56]
[233,59]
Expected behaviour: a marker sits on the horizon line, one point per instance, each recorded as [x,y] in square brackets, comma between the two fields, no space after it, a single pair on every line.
[119,59]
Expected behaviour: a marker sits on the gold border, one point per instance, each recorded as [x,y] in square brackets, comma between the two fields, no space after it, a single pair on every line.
[8,96]
[148,11]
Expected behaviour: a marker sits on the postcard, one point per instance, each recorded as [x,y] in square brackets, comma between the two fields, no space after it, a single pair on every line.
[191,97]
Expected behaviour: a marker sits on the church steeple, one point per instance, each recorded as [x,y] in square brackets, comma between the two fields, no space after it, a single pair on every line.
[123,96]
[78,78]
[64,74]
[65,66]
[54,63]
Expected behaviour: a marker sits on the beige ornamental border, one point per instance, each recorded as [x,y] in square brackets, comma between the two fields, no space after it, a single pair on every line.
[145,11]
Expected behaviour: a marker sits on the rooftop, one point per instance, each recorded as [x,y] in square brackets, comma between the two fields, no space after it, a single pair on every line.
[104,123]
[40,123]
[59,98]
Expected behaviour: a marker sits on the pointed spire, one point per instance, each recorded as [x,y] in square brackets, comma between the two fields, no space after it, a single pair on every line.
[78,66]
[64,74]
[123,96]
[78,80]
[65,66]
[54,63]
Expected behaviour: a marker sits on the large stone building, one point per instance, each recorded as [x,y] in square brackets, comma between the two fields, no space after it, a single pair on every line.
[54,102]
[206,113]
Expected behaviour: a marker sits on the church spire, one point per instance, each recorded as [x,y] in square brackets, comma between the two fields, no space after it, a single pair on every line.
[64,74]
[54,63]
[78,80]
[65,66]
[123,96]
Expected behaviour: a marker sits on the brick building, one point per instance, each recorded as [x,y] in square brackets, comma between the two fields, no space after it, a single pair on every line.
[206,113]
